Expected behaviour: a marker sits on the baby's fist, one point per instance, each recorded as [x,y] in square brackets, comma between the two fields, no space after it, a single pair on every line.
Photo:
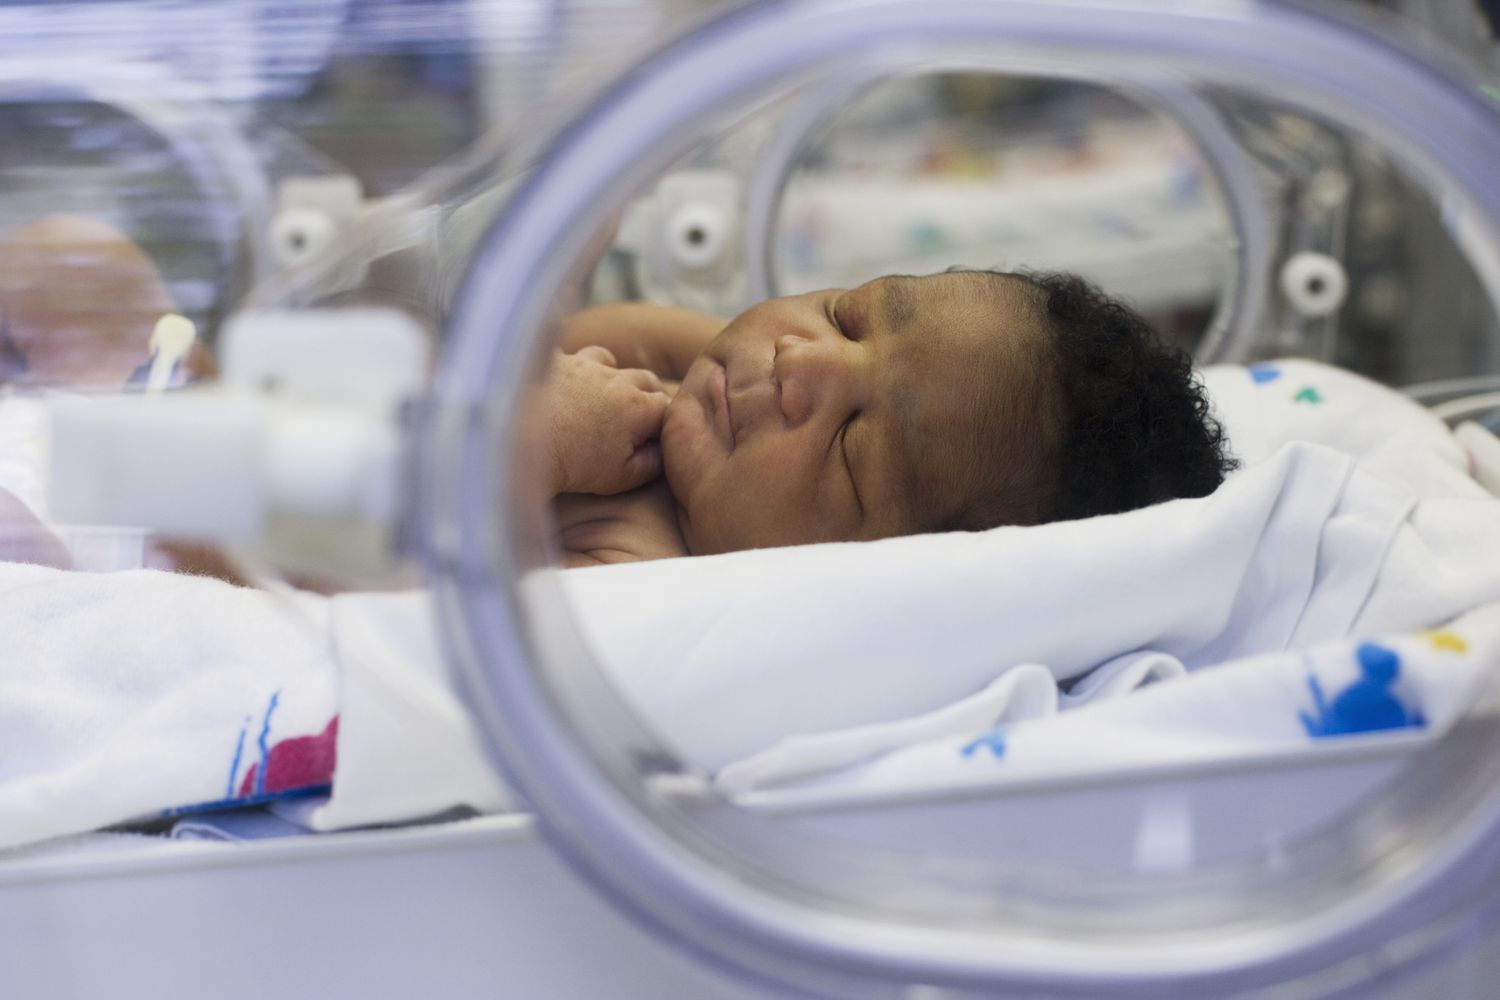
[603,422]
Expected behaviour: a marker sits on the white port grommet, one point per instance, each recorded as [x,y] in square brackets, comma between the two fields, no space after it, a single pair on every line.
[299,233]
[696,235]
[1314,283]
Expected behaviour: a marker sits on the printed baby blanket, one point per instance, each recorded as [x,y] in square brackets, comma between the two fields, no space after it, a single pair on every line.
[127,694]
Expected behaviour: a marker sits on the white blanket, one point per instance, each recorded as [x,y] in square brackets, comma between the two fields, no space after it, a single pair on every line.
[802,660]
[127,694]
[1299,549]
[1439,562]
[1372,528]
[707,648]
[1400,686]
[132,693]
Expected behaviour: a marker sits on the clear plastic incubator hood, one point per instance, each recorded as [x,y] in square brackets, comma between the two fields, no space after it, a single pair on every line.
[289,306]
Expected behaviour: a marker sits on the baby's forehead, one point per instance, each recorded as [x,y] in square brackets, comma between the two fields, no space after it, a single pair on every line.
[981,304]
[963,384]
[979,292]
[982,318]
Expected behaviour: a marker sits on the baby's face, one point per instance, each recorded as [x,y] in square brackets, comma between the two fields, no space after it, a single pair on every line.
[842,415]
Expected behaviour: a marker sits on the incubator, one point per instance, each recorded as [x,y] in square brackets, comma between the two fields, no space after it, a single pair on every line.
[280,289]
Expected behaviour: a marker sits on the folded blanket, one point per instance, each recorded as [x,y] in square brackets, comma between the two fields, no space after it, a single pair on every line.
[1396,686]
[127,694]
[1285,554]
[159,686]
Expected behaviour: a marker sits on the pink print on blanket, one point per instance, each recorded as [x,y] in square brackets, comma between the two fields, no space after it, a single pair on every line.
[263,769]
[289,765]
[296,763]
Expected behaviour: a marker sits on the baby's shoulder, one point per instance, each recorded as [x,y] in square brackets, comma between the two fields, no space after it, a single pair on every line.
[626,527]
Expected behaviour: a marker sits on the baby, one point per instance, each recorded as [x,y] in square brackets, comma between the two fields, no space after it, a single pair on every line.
[959,401]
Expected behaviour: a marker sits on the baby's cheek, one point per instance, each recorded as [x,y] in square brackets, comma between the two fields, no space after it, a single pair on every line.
[672,431]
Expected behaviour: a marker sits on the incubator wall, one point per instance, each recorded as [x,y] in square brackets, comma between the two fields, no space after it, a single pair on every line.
[1285,181]
[284,290]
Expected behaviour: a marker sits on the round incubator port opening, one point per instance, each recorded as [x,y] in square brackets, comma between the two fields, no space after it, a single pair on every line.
[1145,190]
[632,705]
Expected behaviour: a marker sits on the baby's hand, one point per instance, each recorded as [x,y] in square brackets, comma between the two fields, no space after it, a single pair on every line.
[603,422]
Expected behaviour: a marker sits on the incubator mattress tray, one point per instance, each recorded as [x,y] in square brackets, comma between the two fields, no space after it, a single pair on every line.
[482,907]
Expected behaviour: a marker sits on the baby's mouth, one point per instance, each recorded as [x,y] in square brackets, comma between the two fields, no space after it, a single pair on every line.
[719,386]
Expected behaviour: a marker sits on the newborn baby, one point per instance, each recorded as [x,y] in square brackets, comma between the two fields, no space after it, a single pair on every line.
[959,401]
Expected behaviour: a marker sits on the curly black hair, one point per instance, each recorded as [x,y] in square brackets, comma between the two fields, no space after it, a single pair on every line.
[1137,428]
[1119,420]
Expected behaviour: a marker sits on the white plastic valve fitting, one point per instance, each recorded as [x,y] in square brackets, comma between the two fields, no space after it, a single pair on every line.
[696,235]
[1315,284]
[297,234]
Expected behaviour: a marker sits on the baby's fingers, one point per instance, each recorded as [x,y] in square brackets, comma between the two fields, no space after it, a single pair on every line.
[644,465]
[642,379]
[602,355]
[645,414]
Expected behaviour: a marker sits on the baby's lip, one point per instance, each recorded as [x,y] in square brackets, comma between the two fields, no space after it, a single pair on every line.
[719,388]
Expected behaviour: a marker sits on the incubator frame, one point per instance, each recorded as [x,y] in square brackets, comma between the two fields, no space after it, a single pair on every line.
[707,882]
[1403,879]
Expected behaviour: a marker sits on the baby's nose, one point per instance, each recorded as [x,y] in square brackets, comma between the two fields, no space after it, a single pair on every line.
[817,375]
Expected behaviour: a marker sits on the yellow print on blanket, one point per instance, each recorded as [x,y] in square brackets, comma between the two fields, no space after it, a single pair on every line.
[1443,639]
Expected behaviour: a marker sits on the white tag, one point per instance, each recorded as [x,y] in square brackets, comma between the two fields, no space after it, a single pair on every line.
[170,343]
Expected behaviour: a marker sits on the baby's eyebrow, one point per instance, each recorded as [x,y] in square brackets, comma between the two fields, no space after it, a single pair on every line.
[899,302]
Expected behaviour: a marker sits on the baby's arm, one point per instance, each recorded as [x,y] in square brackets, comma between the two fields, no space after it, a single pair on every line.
[661,339]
